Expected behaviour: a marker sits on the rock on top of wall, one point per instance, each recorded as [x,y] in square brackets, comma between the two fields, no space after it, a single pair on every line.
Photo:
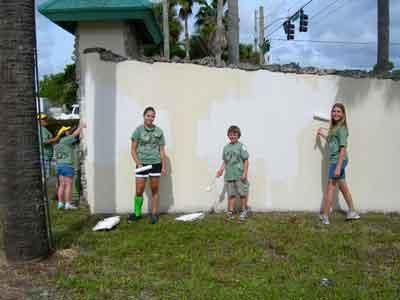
[108,55]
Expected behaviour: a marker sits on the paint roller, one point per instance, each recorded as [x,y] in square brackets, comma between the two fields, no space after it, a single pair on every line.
[210,187]
[145,168]
[321,117]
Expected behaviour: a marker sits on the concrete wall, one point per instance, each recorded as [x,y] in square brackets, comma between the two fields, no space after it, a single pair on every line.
[195,106]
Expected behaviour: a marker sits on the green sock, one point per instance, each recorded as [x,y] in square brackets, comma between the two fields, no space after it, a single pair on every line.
[138,203]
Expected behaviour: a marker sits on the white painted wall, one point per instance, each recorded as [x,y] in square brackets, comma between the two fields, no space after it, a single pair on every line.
[195,106]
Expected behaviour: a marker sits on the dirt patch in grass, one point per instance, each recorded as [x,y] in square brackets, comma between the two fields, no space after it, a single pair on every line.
[33,280]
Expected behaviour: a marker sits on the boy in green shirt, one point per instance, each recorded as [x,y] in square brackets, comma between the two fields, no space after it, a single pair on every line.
[236,165]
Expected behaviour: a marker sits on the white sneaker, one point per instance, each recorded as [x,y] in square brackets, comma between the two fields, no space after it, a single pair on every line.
[60,205]
[243,215]
[230,215]
[70,206]
[352,215]
[324,220]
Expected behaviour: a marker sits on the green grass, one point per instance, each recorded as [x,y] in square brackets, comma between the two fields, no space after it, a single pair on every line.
[270,256]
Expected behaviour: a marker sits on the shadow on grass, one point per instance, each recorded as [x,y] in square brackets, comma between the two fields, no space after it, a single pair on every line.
[69,226]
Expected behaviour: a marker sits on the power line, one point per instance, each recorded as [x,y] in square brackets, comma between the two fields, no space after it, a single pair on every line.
[329,13]
[324,8]
[338,42]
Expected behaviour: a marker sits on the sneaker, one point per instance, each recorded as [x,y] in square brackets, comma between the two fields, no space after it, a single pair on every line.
[352,215]
[243,215]
[153,219]
[325,220]
[230,215]
[70,206]
[133,218]
[321,217]
[60,205]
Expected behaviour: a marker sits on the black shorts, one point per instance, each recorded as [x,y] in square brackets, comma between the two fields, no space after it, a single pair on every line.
[155,171]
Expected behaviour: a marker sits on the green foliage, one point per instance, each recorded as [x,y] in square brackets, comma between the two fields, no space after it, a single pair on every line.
[198,47]
[248,55]
[206,19]
[175,26]
[382,69]
[60,88]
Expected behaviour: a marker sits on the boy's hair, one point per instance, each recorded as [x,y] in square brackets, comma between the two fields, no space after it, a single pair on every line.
[234,129]
[147,109]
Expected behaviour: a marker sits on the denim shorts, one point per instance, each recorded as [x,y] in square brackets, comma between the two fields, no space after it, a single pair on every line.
[65,170]
[332,168]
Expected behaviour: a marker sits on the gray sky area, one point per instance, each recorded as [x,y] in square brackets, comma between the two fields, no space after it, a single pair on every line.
[330,20]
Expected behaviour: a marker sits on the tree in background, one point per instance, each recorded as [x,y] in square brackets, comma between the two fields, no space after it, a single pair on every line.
[60,88]
[206,26]
[248,55]
[185,11]
[175,30]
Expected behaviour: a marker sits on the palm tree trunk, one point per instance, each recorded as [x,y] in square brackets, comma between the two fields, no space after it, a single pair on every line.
[187,41]
[166,28]
[220,12]
[233,31]
[21,194]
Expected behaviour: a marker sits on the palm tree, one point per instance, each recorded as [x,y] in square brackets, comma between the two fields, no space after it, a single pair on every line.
[185,12]
[220,28]
[175,28]
[233,31]
[21,193]
[207,25]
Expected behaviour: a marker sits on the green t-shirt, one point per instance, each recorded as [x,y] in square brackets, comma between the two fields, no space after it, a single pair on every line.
[337,139]
[149,141]
[234,155]
[46,149]
[65,151]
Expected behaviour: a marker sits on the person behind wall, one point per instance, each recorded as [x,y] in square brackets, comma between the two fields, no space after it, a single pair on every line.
[148,148]
[46,145]
[338,157]
[236,165]
[64,153]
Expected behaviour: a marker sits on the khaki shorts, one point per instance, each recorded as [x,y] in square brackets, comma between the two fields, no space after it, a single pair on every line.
[237,188]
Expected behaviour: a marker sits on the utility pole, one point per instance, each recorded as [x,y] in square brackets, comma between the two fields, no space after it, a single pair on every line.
[255,30]
[383,35]
[261,36]
[166,28]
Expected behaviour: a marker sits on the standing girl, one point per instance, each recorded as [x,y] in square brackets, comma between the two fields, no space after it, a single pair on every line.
[64,152]
[148,148]
[338,160]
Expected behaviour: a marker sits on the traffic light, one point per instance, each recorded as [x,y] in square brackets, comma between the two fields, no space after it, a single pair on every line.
[266,46]
[303,22]
[290,31]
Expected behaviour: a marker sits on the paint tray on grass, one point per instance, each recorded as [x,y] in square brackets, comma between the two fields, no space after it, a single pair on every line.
[107,223]
[190,217]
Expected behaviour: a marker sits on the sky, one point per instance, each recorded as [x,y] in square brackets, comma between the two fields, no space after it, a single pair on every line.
[330,20]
